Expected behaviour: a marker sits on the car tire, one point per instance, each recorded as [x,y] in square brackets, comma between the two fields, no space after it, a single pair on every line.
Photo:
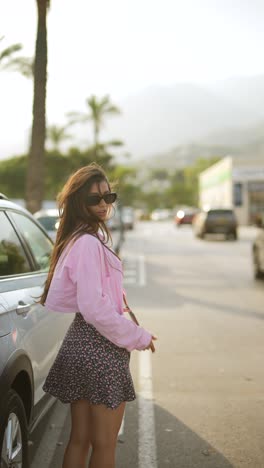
[12,414]
[258,274]
[230,236]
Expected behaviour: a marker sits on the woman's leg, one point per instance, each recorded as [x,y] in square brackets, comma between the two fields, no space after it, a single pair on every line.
[106,423]
[76,453]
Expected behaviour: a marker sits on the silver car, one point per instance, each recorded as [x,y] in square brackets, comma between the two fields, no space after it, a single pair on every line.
[29,336]
[49,219]
[128,217]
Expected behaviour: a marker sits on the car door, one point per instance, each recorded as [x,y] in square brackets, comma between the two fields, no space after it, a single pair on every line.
[36,331]
[5,333]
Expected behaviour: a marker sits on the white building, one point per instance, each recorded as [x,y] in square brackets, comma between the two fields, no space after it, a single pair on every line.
[234,183]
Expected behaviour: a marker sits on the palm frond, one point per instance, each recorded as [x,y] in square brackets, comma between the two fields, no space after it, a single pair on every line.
[56,135]
[6,53]
[77,117]
[112,110]
[114,143]
[24,65]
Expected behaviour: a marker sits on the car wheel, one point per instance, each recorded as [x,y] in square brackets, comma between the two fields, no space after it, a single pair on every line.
[13,432]
[258,274]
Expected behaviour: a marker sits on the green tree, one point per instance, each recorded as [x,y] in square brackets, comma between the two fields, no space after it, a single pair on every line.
[123,178]
[184,183]
[56,135]
[98,110]
[191,176]
[9,60]
[58,167]
[159,174]
[12,176]
[35,171]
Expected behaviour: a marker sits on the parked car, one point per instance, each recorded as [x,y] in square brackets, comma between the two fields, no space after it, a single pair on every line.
[128,217]
[116,227]
[114,221]
[49,219]
[216,221]
[258,251]
[185,216]
[29,336]
[160,214]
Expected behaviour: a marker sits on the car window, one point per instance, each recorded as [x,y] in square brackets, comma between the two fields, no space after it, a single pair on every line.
[13,260]
[50,223]
[39,244]
[227,214]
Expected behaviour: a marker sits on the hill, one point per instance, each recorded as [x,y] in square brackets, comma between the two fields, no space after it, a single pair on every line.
[161,118]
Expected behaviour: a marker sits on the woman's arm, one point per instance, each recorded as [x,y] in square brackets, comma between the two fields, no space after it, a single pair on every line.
[85,270]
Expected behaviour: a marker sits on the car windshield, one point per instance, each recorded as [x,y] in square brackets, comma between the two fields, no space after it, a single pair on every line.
[228,214]
[49,222]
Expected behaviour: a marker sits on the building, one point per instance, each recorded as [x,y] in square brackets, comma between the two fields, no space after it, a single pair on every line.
[234,183]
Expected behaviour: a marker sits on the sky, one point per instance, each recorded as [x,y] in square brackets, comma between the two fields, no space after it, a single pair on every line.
[120,47]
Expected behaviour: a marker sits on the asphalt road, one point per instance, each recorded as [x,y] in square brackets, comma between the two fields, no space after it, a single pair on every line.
[201,395]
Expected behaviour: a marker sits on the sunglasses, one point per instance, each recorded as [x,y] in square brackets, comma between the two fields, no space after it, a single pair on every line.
[93,200]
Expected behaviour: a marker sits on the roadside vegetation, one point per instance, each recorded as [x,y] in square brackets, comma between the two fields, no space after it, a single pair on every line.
[41,173]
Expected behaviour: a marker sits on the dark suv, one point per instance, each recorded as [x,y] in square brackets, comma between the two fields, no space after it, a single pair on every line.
[29,336]
[216,221]
[258,250]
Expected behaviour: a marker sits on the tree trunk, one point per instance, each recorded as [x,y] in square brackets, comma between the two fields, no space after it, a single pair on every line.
[35,170]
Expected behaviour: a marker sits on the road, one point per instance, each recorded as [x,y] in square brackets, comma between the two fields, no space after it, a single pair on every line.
[201,395]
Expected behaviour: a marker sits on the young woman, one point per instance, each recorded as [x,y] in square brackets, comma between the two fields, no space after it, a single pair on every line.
[91,370]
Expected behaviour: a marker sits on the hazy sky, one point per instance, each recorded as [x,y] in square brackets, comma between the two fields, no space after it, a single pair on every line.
[121,46]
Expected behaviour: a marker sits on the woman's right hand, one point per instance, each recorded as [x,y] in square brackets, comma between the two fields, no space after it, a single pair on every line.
[151,344]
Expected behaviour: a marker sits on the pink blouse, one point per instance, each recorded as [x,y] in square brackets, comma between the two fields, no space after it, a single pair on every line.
[88,278]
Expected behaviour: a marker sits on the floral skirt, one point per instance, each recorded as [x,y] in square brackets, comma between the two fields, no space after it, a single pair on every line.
[89,366]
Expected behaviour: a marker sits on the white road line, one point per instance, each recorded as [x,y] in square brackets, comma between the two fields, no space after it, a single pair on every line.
[130,273]
[130,280]
[142,270]
[50,438]
[147,456]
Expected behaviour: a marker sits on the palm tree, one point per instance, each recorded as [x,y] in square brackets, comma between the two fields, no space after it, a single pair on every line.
[10,61]
[35,171]
[98,110]
[56,135]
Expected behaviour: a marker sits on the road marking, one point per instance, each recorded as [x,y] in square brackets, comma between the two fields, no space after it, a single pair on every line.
[142,270]
[131,273]
[147,455]
[130,281]
[134,270]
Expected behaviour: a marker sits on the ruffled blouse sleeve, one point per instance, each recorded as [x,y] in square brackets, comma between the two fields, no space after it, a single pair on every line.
[85,263]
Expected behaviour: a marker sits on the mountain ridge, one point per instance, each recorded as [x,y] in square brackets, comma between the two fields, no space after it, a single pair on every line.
[160,118]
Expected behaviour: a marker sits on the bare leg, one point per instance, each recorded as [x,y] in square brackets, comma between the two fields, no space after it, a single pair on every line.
[77,450]
[106,423]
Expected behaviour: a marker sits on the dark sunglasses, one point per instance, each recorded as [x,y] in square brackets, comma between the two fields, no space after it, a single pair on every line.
[93,200]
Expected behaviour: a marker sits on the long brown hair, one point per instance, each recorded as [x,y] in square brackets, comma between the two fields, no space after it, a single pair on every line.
[75,216]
